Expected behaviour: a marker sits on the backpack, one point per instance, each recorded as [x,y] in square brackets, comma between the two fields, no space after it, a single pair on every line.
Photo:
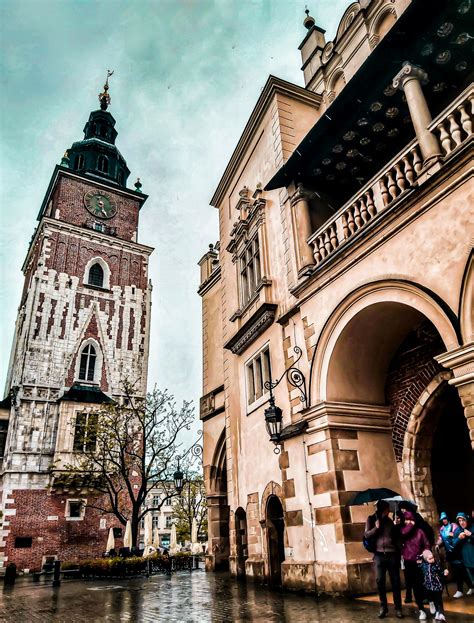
[370,543]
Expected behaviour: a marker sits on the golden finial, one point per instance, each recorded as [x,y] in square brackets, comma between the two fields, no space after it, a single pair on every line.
[104,98]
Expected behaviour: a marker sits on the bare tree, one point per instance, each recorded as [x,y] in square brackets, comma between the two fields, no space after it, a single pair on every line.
[128,449]
[191,504]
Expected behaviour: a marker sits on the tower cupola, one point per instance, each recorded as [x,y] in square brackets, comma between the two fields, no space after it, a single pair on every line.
[97,155]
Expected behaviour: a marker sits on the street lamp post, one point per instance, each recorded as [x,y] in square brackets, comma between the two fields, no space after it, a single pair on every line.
[178,478]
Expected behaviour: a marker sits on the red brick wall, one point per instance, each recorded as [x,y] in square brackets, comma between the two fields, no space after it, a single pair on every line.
[411,370]
[71,256]
[69,540]
[69,199]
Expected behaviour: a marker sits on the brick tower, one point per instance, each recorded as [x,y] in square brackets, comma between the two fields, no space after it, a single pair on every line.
[83,327]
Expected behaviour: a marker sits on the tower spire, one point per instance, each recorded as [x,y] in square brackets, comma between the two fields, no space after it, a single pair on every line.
[104,98]
[309,21]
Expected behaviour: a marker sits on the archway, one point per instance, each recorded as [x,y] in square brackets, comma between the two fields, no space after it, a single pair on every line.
[380,347]
[218,509]
[275,523]
[241,540]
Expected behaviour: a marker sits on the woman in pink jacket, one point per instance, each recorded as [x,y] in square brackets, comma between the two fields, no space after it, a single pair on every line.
[414,543]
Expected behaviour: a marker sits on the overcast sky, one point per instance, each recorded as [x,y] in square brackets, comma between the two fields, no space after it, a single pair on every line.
[187,76]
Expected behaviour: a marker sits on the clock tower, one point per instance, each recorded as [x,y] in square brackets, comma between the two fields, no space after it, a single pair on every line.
[82,329]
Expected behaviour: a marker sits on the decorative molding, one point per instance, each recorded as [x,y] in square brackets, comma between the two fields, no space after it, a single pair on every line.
[207,404]
[255,326]
[348,415]
[461,362]
[213,278]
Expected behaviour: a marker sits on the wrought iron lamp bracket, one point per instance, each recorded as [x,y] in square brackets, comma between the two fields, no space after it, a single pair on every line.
[294,377]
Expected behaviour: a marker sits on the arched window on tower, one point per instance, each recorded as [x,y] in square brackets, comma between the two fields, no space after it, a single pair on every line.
[87,364]
[103,164]
[103,131]
[79,162]
[96,275]
[120,177]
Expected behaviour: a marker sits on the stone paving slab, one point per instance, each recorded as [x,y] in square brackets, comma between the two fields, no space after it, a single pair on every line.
[182,598]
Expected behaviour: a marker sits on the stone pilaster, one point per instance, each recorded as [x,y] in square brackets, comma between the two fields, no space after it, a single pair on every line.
[302,229]
[409,79]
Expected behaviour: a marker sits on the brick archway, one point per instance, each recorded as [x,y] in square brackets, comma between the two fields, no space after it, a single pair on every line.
[417,447]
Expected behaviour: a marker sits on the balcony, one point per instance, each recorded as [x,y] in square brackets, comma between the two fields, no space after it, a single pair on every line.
[399,178]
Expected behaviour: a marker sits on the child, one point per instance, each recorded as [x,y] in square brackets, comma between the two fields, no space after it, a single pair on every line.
[433,582]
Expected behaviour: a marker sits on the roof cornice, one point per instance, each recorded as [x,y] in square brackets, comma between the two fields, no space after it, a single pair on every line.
[273,86]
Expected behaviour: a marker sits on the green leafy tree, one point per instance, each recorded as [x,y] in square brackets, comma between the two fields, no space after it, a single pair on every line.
[128,449]
[189,505]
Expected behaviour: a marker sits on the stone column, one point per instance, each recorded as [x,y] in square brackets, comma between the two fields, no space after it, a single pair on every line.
[409,79]
[302,228]
[461,362]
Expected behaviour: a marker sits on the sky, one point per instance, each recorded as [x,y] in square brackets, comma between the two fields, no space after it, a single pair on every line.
[187,74]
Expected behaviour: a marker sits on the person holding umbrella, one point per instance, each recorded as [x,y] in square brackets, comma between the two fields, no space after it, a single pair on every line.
[382,532]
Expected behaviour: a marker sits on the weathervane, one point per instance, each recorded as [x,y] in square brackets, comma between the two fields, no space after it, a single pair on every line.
[104,98]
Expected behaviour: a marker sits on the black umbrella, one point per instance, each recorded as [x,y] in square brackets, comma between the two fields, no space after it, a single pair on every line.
[371,495]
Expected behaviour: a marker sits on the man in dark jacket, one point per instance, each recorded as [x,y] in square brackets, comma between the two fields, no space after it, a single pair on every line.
[381,529]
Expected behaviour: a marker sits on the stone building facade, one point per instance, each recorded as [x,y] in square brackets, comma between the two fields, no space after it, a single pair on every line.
[82,329]
[346,233]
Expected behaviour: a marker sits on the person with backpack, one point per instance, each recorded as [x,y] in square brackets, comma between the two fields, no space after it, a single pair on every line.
[414,543]
[449,538]
[381,539]
[405,506]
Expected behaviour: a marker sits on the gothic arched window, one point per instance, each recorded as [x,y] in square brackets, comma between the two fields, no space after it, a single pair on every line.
[96,275]
[87,365]
[103,164]
[79,162]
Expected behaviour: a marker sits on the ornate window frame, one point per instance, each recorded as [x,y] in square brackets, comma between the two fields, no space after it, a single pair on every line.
[105,268]
[249,230]
[98,362]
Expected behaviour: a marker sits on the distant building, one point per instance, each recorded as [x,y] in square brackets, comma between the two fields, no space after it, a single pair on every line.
[345,231]
[161,519]
[83,326]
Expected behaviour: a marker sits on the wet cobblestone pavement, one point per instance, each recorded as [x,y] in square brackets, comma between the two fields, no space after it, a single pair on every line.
[195,598]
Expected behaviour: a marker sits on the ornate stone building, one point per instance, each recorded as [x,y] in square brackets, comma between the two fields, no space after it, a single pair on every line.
[82,328]
[345,232]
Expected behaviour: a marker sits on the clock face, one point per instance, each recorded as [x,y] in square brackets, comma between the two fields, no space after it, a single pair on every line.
[100,204]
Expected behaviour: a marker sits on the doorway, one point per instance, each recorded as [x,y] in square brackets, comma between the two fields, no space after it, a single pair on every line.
[452,458]
[241,540]
[276,539]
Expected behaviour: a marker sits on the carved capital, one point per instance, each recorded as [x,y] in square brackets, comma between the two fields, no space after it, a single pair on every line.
[409,72]
[300,194]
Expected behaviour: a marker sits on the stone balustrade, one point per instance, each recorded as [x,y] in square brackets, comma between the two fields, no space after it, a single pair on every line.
[453,127]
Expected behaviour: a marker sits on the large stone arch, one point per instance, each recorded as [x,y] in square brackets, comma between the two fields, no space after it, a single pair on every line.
[362,334]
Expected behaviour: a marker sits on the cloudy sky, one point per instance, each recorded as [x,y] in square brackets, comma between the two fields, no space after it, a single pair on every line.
[187,75]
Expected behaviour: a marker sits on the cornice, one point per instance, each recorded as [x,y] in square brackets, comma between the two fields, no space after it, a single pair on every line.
[273,86]
[347,415]
[213,278]
[250,330]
